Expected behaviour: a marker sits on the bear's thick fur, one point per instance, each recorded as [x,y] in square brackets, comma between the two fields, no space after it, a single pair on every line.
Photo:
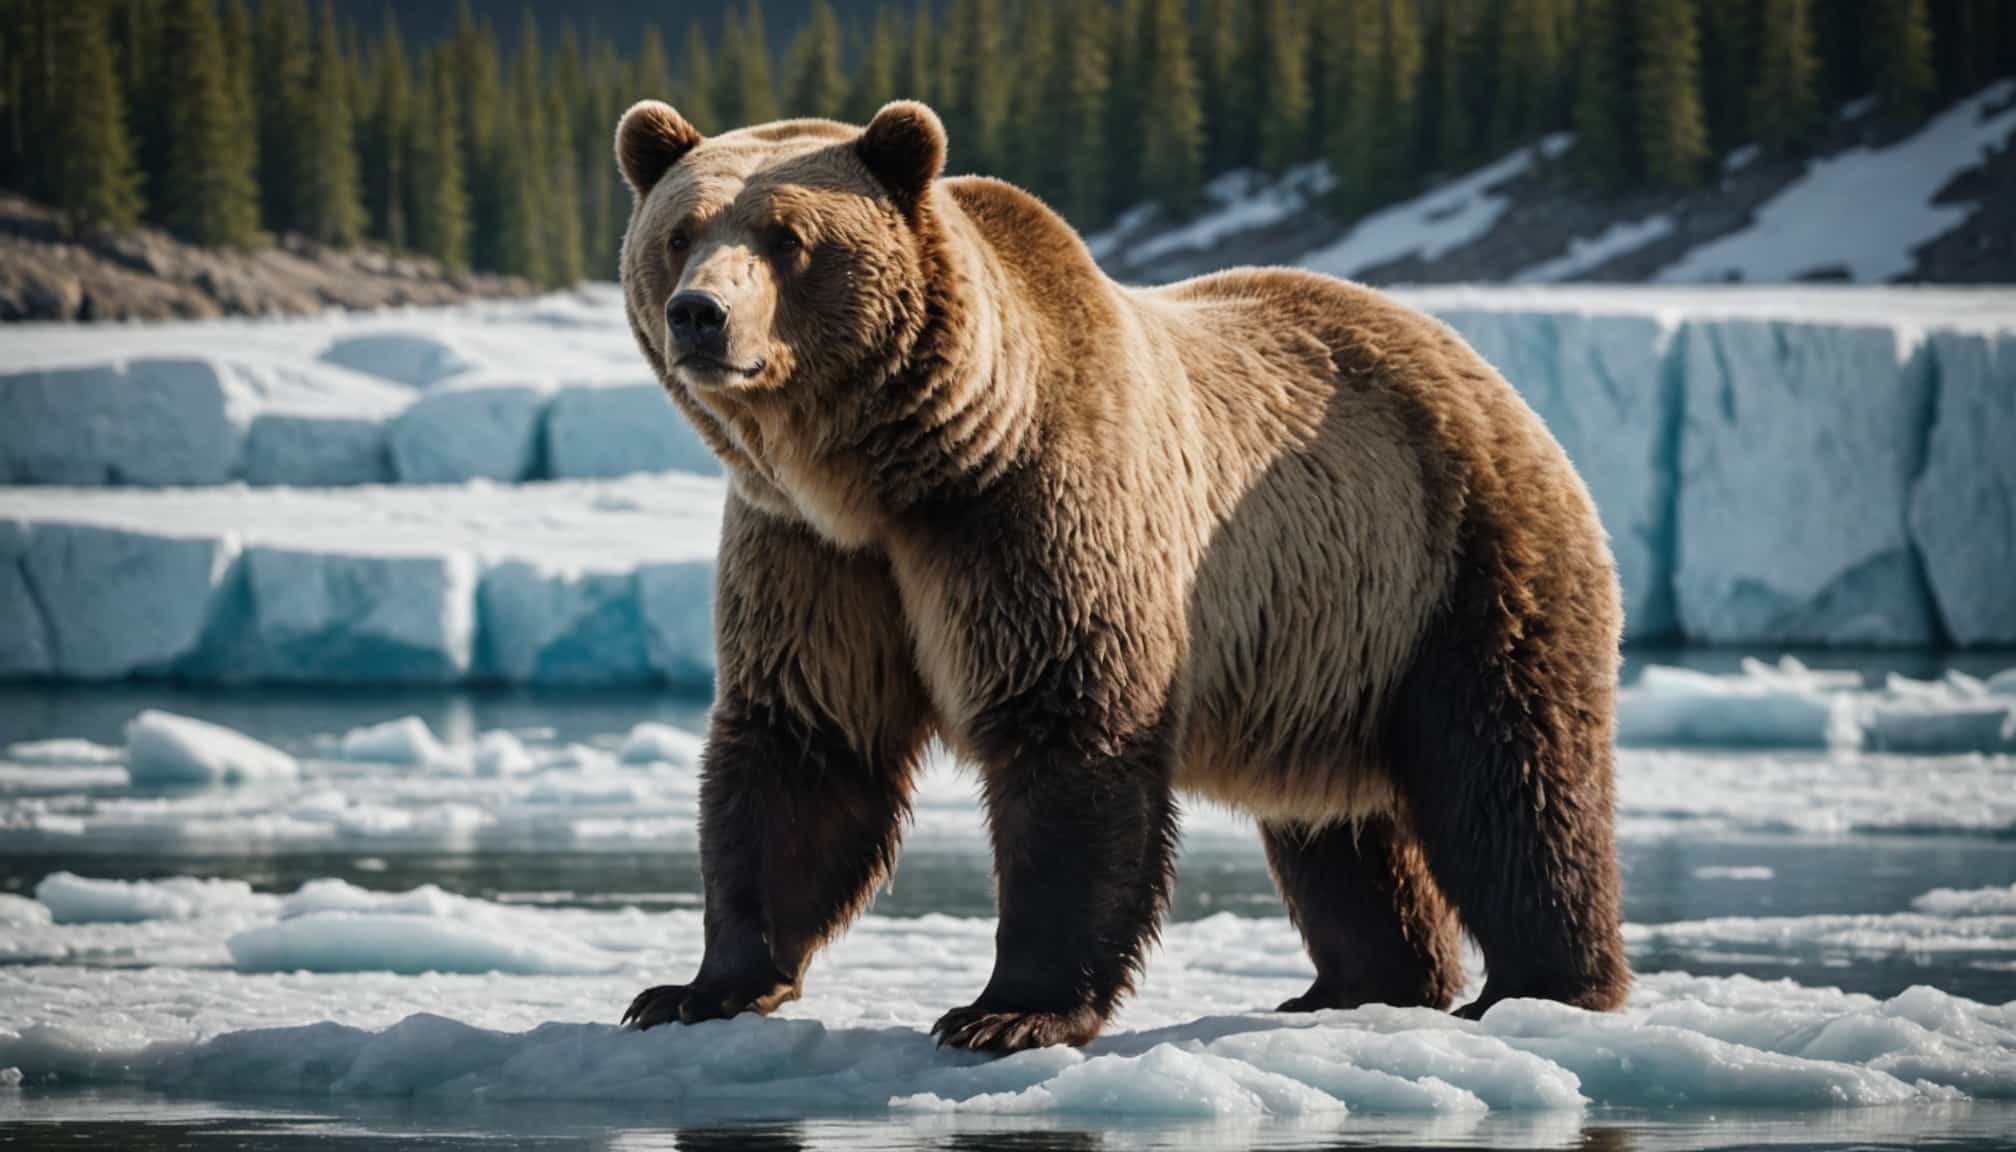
[1264,537]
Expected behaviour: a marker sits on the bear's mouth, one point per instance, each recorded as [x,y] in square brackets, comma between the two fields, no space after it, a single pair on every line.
[702,364]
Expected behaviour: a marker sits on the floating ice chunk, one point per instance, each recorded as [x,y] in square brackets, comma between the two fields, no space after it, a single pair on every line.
[1735,872]
[1968,902]
[415,359]
[618,429]
[1765,707]
[1797,453]
[64,750]
[662,743]
[406,740]
[330,926]
[73,899]
[119,601]
[19,911]
[474,433]
[502,754]
[1963,507]
[163,748]
[316,450]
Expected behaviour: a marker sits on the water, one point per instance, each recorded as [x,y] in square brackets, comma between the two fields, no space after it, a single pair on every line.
[1683,873]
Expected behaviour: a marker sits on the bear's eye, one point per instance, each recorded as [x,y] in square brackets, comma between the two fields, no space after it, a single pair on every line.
[786,243]
[678,242]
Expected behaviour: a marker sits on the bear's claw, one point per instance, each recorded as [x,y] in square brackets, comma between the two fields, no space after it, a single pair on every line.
[692,1003]
[985,1030]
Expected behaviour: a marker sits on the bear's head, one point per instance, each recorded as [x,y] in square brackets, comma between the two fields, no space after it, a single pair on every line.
[781,281]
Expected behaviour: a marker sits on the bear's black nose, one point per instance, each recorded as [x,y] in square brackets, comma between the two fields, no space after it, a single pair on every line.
[696,317]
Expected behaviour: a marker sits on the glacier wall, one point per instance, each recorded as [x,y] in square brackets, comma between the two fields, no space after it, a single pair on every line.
[1792,467]
[1832,469]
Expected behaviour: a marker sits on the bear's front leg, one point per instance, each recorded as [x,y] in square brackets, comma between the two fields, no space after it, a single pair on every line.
[1084,826]
[818,722]
[796,828]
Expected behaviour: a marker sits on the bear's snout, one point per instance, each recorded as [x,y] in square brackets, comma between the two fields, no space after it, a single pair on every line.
[698,322]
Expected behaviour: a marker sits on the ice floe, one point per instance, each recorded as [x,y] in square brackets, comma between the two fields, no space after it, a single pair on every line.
[1788,705]
[518,1004]
[162,748]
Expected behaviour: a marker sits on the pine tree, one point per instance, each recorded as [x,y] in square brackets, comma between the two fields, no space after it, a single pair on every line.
[695,89]
[280,83]
[1034,136]
[1449,134]
[142,77]
[977,85]
[332,194]
[1372,154]
[1784,101]
[522,247]
[1729,70]
[914,81]
[1126,107]
[565,253]
[743,94]
[818,86]
[209,196]
[240,54]
[1525,100]
[1172,153]
[1226,123]
[1082,63]
[1277,67]
[1329,31]
[95,187]
[595,114]
[1602,161]
[440,202]
[1671,128]
[1900,56]
[652,79]
[875,78]
[473,62]
[387,137]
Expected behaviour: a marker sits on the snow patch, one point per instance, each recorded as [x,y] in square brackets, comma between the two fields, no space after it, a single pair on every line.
[661,743]
[1586,253]
[1820,222]
[1436,222]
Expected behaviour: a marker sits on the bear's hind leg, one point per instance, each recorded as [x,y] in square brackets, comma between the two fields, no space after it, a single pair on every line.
[1369,913]
[1507,771]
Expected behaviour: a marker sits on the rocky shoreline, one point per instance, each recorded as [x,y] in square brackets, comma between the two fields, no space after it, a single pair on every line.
[149,275]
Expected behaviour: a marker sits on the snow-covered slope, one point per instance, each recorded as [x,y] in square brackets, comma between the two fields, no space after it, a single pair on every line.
[1872,207]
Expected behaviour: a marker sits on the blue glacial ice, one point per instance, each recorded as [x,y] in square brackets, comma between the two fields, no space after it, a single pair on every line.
[1786,466]
[1790,526]
[1963,505]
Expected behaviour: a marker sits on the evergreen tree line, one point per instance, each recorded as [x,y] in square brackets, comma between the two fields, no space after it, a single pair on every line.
[227,121]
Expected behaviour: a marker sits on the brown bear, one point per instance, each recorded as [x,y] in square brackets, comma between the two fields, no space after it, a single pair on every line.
[1263,537]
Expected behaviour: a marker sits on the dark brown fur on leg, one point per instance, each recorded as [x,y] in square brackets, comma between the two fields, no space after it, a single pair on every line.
[1505,744]
[807,775]
[1369,913]
[1084,844]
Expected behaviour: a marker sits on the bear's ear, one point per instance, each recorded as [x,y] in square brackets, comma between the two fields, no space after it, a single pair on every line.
[904,149]
[649,140]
